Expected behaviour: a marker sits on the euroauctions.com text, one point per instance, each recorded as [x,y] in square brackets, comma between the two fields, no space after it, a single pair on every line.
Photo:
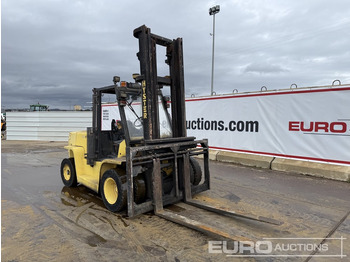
[220,125]
[281,247]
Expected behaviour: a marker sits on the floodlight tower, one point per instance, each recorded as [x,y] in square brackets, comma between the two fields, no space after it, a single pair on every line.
[213,11]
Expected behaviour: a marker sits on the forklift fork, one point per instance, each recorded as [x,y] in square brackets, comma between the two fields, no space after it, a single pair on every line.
[187,197]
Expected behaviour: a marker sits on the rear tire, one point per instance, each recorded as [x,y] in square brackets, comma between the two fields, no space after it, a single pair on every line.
[68,174]
[113,191]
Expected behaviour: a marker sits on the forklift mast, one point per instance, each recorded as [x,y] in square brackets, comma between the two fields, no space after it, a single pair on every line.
[151,82]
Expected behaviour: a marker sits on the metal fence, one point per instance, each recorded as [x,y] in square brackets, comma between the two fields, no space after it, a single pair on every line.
[46,125]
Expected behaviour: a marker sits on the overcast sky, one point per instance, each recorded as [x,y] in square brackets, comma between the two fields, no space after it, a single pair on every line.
[55,51]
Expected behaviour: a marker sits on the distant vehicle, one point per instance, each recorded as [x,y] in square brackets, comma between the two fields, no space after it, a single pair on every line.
[38,107]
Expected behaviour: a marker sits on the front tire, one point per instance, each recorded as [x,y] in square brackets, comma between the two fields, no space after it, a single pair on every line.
[195,172]
[68,174]
[139,189]
[113,191]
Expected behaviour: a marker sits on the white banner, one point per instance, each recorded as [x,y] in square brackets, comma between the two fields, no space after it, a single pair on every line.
[312,124]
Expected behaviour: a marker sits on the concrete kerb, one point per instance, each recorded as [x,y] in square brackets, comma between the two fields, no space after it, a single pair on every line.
[330,171]
[245,159]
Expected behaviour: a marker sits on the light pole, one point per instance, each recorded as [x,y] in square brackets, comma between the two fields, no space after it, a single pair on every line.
[213,11]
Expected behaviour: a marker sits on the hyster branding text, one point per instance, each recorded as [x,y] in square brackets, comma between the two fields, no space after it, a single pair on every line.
[220,125]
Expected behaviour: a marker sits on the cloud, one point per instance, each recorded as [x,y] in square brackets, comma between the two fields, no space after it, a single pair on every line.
[56,51]
[264,68]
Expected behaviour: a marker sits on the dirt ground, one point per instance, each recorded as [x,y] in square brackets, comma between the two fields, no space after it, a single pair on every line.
[41,220]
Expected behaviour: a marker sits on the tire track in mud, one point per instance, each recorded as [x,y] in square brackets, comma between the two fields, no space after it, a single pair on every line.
[130,241]
[334,228]
[86,233]
[225,186]
[136,242]
[147,229]
[27,235]
[280,204]
[94,235]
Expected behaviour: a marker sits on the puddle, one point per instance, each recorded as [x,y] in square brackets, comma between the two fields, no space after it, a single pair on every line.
[121,219]
[66,203]
[95,240]
[79,196]
[233,198]
[155,251]
[176,208]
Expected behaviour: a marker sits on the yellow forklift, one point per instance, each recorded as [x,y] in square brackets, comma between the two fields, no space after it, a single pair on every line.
[3,126]
[146,160]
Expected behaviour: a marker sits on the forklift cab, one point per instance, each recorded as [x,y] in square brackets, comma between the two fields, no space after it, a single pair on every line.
[128,126]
